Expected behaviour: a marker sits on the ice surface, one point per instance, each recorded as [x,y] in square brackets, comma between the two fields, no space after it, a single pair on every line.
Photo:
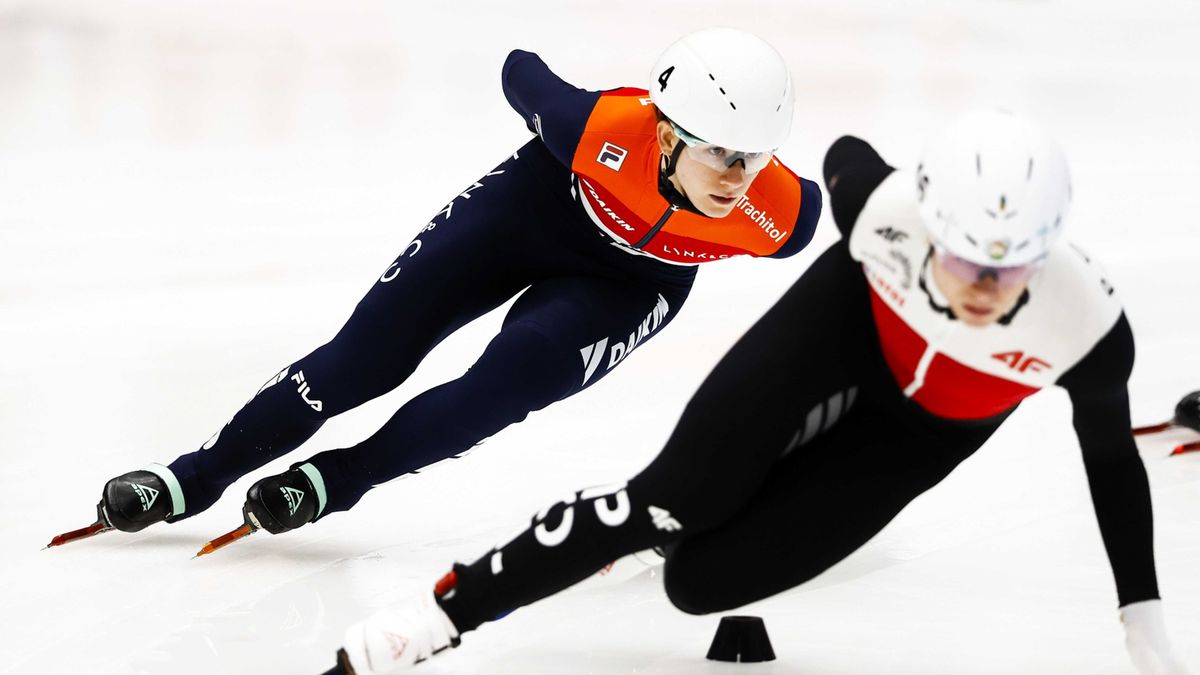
[192,194]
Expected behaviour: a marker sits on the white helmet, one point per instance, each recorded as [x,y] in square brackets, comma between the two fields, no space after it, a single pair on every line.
[725,87]
[994,189]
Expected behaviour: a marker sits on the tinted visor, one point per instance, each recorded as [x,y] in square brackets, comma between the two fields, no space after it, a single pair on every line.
[965,270]
[719,158]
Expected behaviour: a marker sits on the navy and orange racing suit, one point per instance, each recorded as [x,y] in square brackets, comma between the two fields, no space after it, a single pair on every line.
[574,223]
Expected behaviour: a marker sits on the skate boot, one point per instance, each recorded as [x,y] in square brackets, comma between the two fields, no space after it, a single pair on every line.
[135,500]
[285,501]
[132,502]
[395,639]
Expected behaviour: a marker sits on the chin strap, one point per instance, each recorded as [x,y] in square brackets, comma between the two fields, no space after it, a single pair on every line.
[666,188]
[1012,314]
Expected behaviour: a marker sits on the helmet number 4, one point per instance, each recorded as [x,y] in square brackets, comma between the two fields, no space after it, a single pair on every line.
[662,79]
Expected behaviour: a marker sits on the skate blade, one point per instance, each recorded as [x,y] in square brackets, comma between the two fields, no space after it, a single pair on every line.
[98,527]
[1153,428]
[1186,447]
[228,538]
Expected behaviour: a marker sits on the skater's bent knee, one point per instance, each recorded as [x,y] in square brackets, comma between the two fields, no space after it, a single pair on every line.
[690,588]
[530,358]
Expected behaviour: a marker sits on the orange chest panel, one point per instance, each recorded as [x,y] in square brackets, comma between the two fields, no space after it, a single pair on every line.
[616,169]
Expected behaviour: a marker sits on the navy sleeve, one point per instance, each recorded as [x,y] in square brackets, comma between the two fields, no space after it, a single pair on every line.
[1116,475]
[806,221]
[553,109]
[853,169]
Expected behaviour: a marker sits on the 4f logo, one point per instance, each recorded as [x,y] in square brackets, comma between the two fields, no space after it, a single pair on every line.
[892,234]
[612,156]
[303,389]
[663,520]
[1021,363]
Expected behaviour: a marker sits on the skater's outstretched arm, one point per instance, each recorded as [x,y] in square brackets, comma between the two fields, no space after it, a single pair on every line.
[1121,495]
[1120,491]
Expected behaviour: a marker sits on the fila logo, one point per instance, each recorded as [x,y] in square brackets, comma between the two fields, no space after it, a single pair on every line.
[663,520]
[293,497]
[612,156]
[146,495]
[1021,363]
[303,390]
[646,101]
[891,234]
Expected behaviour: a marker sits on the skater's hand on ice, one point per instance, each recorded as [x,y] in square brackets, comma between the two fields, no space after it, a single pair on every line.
[395,639]
[1146,639]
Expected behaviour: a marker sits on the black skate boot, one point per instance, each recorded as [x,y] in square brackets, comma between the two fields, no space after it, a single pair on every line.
[1187,411]
[138,499]
[286,501]
[131,502]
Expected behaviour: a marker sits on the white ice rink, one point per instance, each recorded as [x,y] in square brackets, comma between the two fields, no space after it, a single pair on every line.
[195,193]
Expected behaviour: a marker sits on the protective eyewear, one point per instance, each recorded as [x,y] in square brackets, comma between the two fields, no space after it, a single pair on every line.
[721,159]
[969,272]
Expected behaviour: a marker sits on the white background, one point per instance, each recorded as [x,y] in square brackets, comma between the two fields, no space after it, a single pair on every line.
[194,194]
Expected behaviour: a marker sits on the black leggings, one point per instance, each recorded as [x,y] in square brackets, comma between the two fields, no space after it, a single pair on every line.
[796,450]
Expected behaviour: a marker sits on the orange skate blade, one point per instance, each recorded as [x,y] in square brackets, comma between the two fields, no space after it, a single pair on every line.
[226,539]
[1186,447]
[92,530]
[1153,428]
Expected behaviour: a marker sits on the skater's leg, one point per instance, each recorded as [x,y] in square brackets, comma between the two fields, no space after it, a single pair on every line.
[817,508]
[420,299]
[563,335]
[752,409]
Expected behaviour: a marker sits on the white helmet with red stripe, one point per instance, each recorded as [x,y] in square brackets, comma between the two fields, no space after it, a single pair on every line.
[994,189]
[726,87]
